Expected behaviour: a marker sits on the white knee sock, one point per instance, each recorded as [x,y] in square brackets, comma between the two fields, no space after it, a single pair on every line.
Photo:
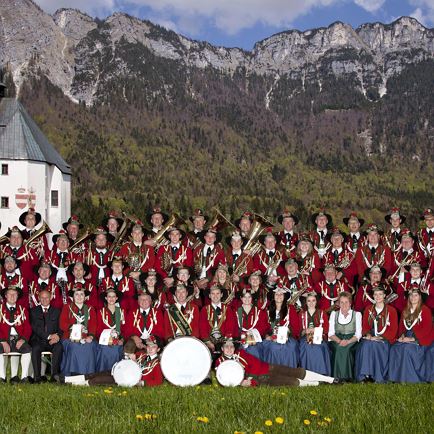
[313,376]
[3,364]
[15,362]
[77,380]
[26,360]
[304,383]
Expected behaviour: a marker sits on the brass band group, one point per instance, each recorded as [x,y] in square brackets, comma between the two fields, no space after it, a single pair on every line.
[288,307]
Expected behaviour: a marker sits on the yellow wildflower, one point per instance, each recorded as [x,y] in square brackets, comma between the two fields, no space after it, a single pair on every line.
[139,417]
[328,419]
[313,413]
[279,420]
[268,422]
[203,419]
[259,432]
[306,422]
[240,432]
[154,416]
[124,392]
[148,416]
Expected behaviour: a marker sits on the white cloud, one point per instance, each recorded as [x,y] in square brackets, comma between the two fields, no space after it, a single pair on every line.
[95,8]
[370,5]
[424,11]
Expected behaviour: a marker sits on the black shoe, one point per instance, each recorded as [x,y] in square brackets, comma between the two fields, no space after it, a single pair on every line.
[3,380]
[338,381]
[206,382]
[28,380]
[368,379]
[58,378]
[44,379]
[37,380]
[14,380]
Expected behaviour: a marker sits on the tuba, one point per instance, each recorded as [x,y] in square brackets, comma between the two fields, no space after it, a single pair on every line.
[4,240]
[220,222]
[123,232]
[253,245]
[159,238]
[44,229]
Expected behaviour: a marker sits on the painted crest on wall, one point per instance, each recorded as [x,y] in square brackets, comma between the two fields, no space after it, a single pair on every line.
[25,198]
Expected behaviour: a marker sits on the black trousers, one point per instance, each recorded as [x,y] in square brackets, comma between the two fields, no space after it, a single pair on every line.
[56,358]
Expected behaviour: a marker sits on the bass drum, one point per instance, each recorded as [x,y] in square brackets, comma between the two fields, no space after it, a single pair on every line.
[230,373]
[126,373]
[186,361]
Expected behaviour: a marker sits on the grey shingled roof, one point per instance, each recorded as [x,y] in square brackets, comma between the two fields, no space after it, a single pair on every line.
[21,138]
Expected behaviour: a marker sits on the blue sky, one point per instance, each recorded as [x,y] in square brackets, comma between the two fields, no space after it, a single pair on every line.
[241,23]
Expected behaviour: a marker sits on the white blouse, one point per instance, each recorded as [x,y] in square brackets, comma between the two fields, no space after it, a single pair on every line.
[345,320]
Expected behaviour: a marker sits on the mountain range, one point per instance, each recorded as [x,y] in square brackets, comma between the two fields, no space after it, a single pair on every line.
[332,117]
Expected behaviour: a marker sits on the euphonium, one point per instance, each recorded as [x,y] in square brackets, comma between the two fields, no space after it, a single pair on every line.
[78,246]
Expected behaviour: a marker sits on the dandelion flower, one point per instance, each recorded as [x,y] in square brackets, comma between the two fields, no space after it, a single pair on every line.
[241,432]
[279,420]
[328,419]
[313,413]
[124,392]
[139,417]
[259,432]
[108,391]
[306,422]
[203,419]
[154,416]
[268,422]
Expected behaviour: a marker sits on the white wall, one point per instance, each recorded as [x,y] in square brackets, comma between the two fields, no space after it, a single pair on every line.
[42,178]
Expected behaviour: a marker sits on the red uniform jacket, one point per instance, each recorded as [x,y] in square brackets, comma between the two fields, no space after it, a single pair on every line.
[398,258]
[67,319]
[329,292]
[351,245]
[422,327]
[210,262]
[105,320]
[318,319]
[256,319]
[54,259]
[52,287]
[98,265]
[426,242]
[125,286]
[290,320]
[386,323]
[27,257]
[234,264]
[19,319]
[16,280]
[262,262]
[191,315]
[151,370]
[183,256]
[310,264]
[391,239]
[226,322]
[288,243]
[135,323]
[145,256]
[364,259]
[344,262]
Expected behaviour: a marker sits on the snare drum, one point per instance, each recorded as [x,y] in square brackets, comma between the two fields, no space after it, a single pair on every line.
[186,361]
[126,373]
[230,373]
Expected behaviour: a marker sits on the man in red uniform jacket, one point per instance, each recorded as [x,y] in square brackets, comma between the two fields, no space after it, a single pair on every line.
[15,332]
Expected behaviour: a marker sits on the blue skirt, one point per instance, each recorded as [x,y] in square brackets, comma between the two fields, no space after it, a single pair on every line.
[407,363]
[315,357]
[78,358]
[107,356]
[277,354]
[429,364]
[372,358]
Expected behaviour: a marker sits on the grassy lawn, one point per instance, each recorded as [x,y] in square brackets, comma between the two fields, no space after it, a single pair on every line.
[352,408]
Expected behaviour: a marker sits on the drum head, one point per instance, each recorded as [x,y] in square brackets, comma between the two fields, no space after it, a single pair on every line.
[230,373]
[186,361]
[126,373]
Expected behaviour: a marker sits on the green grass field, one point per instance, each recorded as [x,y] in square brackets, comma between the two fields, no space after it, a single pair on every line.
[352,408]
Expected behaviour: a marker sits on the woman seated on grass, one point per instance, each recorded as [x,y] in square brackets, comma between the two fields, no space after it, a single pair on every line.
[345,330]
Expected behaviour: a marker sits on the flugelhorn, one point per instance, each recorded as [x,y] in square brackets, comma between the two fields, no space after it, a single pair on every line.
[44,229]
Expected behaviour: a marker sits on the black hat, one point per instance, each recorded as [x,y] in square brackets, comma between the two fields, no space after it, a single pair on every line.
[118,293]
[78,287]
[14,229]
[14,287]
[287,213]
[117,259]
[406,233]
[171,229]
[368,272]
[198,213]
[71,266]
[156,210]
[62,233]
[146,274]
[201,235]
[353,216]
[74,220]
[245,215]
[30,211]
[112,215]
[427,213]
[43,263]
[395,211]
[322,213]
